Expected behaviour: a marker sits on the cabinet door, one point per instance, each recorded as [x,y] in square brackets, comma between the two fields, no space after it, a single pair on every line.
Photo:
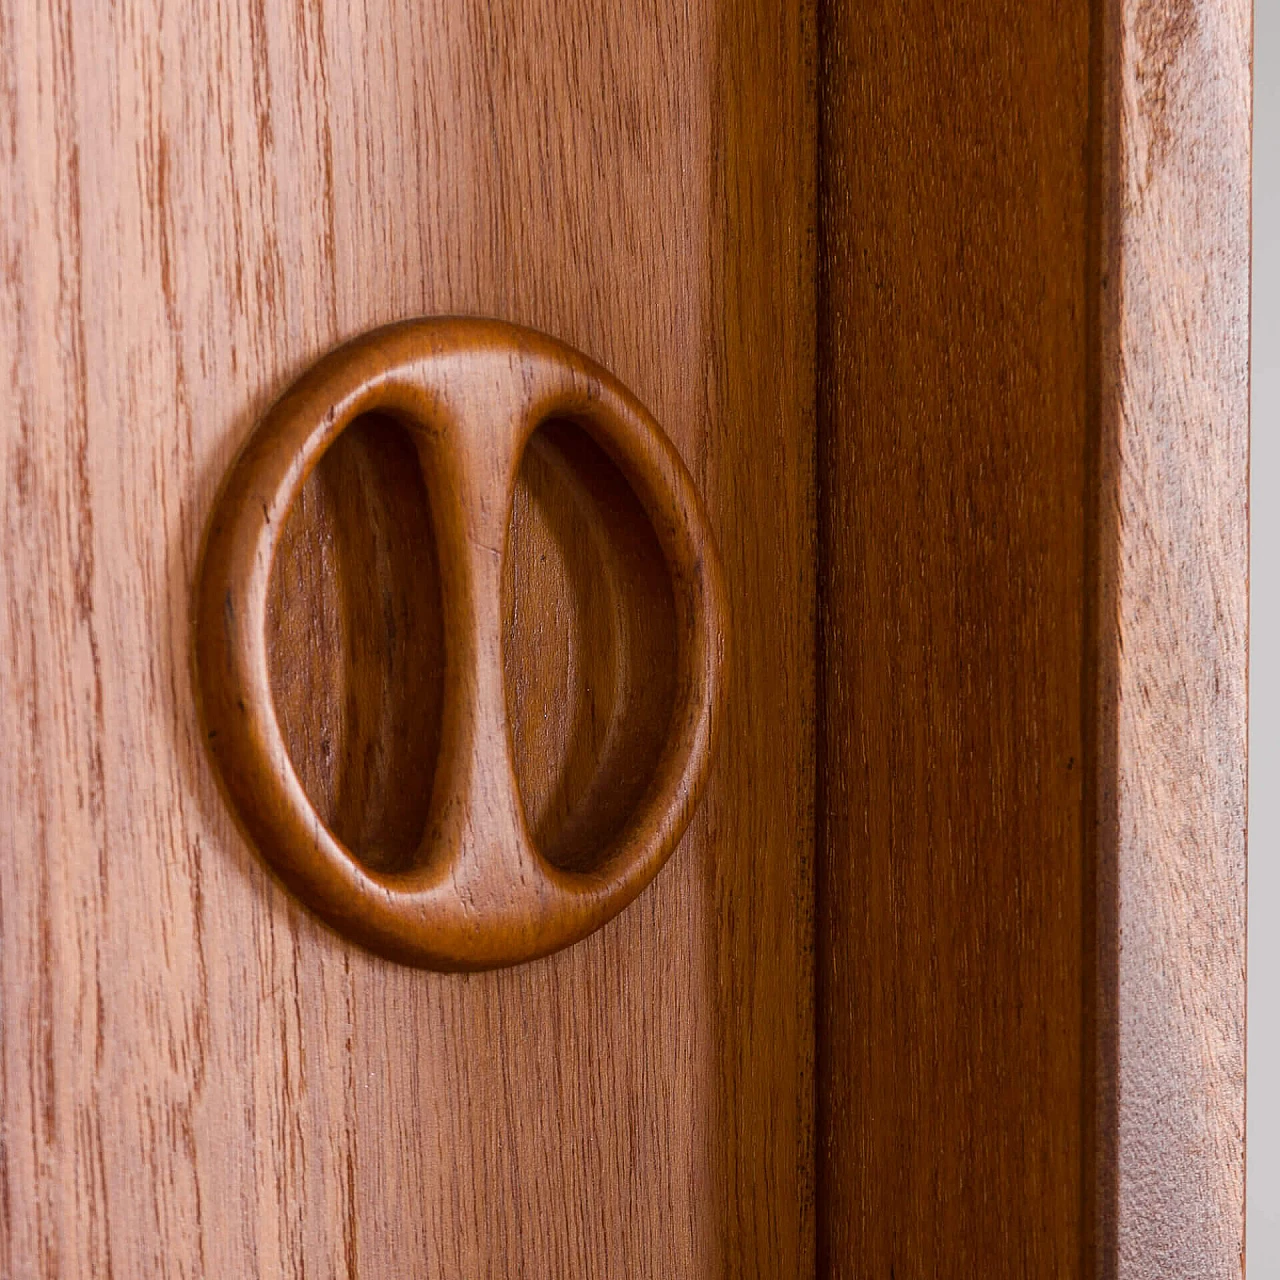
[199,1079]
[944,308]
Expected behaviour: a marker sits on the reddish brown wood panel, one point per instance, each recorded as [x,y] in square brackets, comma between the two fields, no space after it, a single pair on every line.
[196,201]
[953,444]
[1033,533]
[1171,589]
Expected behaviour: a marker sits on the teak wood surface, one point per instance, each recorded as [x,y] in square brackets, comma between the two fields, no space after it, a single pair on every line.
[1169,590]
[953,451]
[1033,477]
[197,201]
[944,308]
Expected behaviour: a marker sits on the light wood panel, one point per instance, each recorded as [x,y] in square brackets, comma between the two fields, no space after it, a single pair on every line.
[198,1079]
[954,433]
[1171,586]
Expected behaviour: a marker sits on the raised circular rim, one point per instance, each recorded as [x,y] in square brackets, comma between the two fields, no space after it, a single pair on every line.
[431,373]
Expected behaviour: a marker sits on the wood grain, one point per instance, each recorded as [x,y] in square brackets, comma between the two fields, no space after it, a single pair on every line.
[952,535]
[1171,586]
[355,641]
[1034,540]
[198,1079]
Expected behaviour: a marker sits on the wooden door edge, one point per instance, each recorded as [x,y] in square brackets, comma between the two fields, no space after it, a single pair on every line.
[1166,704]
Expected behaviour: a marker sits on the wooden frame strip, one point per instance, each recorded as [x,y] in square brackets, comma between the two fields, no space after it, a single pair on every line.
[1171,578]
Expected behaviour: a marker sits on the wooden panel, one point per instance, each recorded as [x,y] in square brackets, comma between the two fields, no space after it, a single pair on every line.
[1033,599]
[952,463]
[1171,579]
[197,1078]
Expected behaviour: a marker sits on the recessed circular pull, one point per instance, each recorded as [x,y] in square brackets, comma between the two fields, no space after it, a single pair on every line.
[471,393]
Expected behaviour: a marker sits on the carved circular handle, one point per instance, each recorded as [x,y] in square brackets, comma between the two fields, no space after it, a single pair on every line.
[471,392]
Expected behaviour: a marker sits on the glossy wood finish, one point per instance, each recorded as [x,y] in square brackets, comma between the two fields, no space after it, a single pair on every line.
[1033,469]
[952,865]
[196,202]
[477,892]
[1030,555]
[1170,586]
